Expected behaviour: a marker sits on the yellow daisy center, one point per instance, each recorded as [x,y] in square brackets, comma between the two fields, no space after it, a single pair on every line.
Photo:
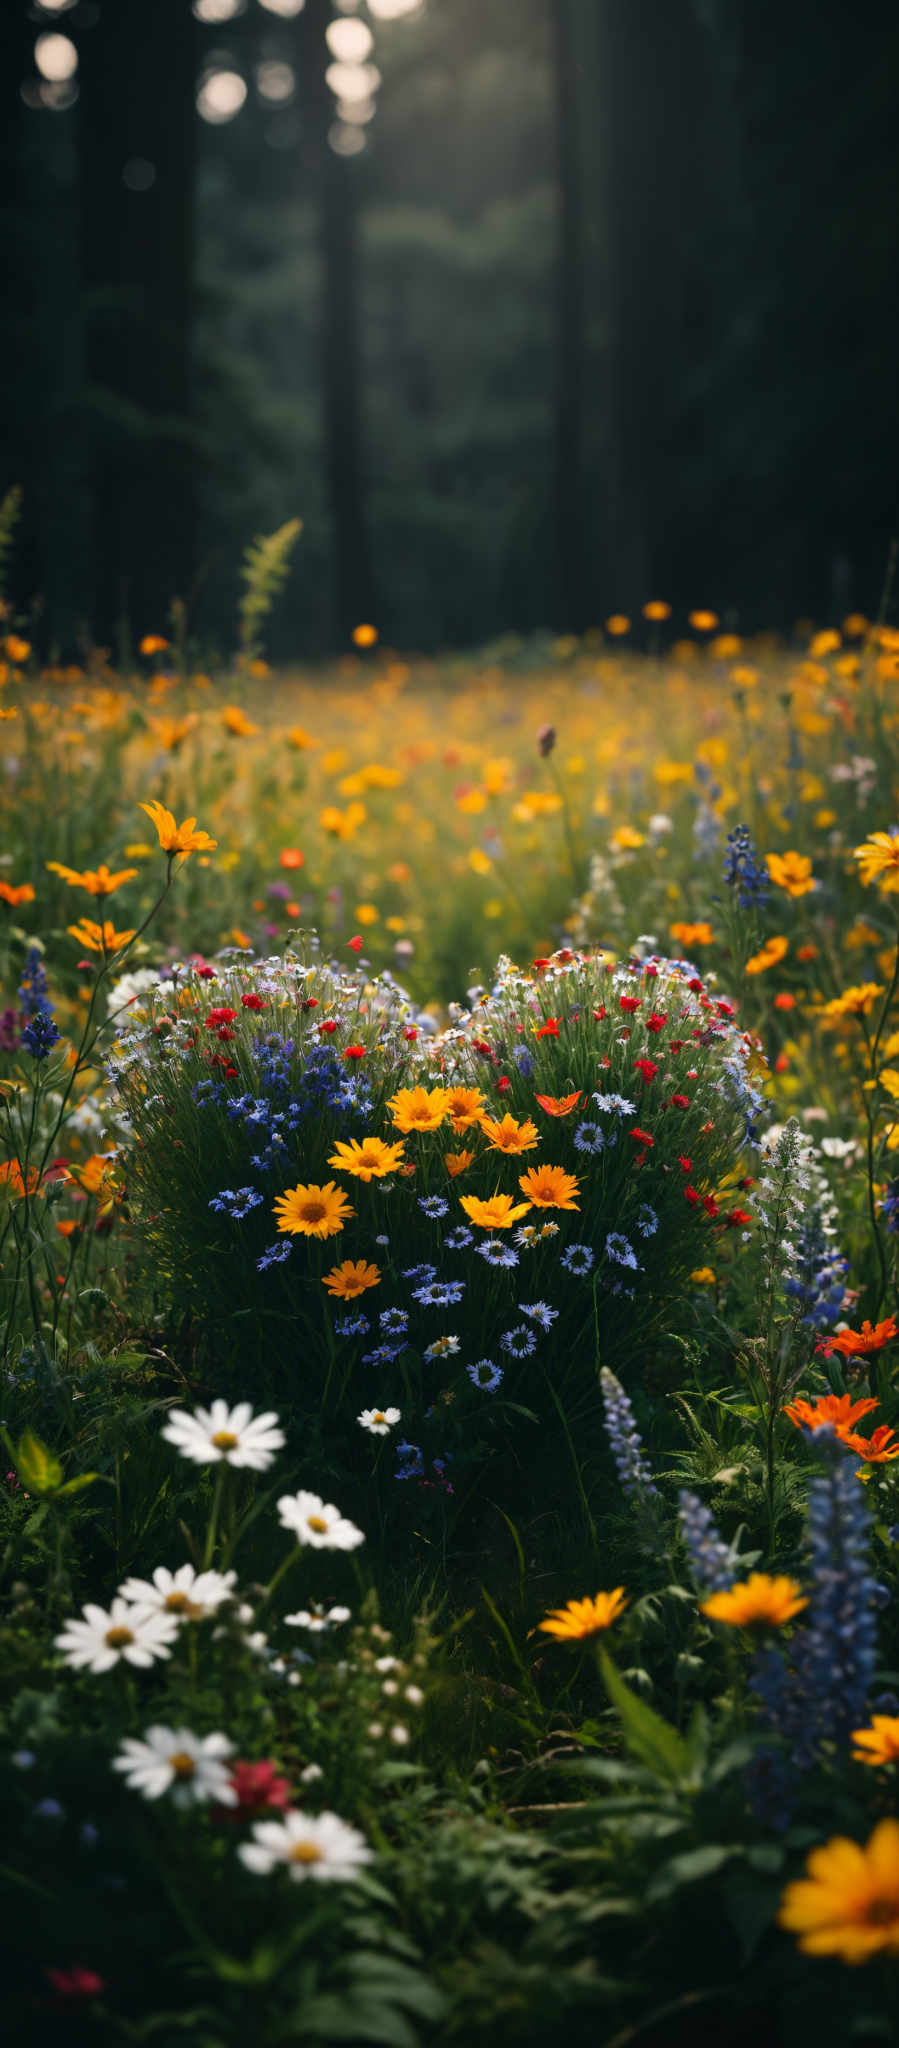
[116,1638]
[317,1523]
[305,1852]
[224,1440]
[378,1417]
[177,1603]
[313,1212]
[184,1766]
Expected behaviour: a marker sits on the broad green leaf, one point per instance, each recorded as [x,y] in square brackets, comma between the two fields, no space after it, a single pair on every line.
[646,1734]
[77,1484]
[38,1469]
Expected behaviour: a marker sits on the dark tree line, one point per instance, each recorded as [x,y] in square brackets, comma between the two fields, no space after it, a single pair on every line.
[606,311]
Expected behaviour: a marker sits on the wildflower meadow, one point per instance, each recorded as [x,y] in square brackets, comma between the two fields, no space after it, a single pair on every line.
[450,1414]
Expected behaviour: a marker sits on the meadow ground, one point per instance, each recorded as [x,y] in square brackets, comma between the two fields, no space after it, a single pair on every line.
[449,1236]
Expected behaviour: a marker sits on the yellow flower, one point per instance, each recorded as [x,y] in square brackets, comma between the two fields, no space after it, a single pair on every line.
[878,1744]
[365,636]
[350,1278]
[586,1617]
[772,951]
[855,1001]
[848,1904]
[704,622]
[370,1160]
[497,1213]
[457,1162]
[234,720]
[759,1601]
[366,913]
[99,938]
[702,1276]
[549,1187]
[171,731]
[464,1106]
[97,881]
[878,860]
[313,1211]
[153,643]
[791,871]
[177,838]
[506,1134]
[301,739]
[418,1109]
[17,650]
[479,860]
[692,934]
[627,839]
[342,824]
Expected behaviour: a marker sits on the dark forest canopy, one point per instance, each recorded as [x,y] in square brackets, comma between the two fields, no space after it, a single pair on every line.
[605,308]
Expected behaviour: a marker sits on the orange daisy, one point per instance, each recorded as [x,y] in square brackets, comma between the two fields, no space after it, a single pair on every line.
[549,1187]
[840,1409]
[559,1105]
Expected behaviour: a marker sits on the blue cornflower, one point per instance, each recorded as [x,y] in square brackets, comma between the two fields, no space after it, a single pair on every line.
[410,1465]
[743,871]
[383,1354]
[457,1240]
[205,1091]
[33,998]
[497,1253]
[624,1437]
[440,1293]
[433,1205]
[578,1259]
[421,1273]
[238,1205]
[616,1105]
[275,1254]
[393,1321]
[647,1221]
[539,1312]
[351,1326]
[485,1375]
[525,1065]
[711,1561]
[617,1248]
[519,1342]
[590,1137]
[40,1034]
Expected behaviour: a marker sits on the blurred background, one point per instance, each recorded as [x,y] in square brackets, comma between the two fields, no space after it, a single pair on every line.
[531,309]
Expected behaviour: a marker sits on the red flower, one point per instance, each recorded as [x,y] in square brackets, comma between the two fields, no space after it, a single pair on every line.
[480,1045]
[679,1102]
[328,1027]
[206,973]
[710,1205]
[217,1017]
[76,1983]
[253,1002]
[411,1034]
[736,1217]
[503,1083]
[539,964]
[725,1008]
[258,1787]
[353,1052]
[224,1034]
[629,1003]
[550,1029]
[694,983]
[650,971]
[657,1021]
[642,1137]
[311,1003]
[675,1044]
[355,944]
[685,1164]
[647,1068]
[692,1195]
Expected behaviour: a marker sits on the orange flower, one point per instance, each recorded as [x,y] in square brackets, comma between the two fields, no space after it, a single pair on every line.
[235,721]
[11,1173]
[177,838]
[97,881]
[840,1409]
[153,643]
[506,1134]
[464,1107]
[99,938]
[291,857]
[12,892]
[692,934]
[618,624]
[704,622]
[784,1001]
[877,1449]
[559,1105]
[771,952]
[549,1187]
[858,1343]
[791,871]
[657,609]
[418,1109]
[351,1278]
[365,636]
[497,1213]
[457,1162]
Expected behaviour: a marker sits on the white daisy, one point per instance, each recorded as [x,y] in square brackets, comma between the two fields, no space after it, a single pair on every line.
[378,1420]
[99,1641]
[317,1522]
[185,1592]
[194,1764]
[316,1619]
[310,1845]
[228,1433]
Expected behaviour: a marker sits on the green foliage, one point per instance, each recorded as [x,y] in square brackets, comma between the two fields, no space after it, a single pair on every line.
[265,568]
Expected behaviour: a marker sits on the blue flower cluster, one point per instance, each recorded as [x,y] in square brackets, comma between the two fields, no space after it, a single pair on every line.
[744,872]
[711,1561]
[236,1205]
[274,1113]
[40,1032]
[624,1437]
[819,1279]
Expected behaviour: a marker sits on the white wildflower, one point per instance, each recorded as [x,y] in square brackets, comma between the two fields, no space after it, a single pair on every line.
[318,1522]
[194,1764]
[319,1846]
[222,1432]
[137,1634]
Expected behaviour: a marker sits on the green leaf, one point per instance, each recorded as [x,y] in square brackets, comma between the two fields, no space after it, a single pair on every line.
[648,1737]
[77,1484]
[38,1469]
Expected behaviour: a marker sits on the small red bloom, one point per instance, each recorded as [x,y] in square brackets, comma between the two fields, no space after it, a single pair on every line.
[679,1102]
[642,1137]
[710,1205]
[355,944]
[692,1196]
[695,984]
[657,1021]
[651,971]
[76,1983]
[685,1164]
[736,1217]
[217,1017]
[206,973]
[311,1003]
[550,1029]
[675,1044]
[480,1045]
[353,1052]
[539,965]
[503,1083]
[253,1002]
[599,1014]
[725,1008]
[629,1003]
[647,1068]
[224,1034]
[411,1034]
[327,1028]
[258,1787]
